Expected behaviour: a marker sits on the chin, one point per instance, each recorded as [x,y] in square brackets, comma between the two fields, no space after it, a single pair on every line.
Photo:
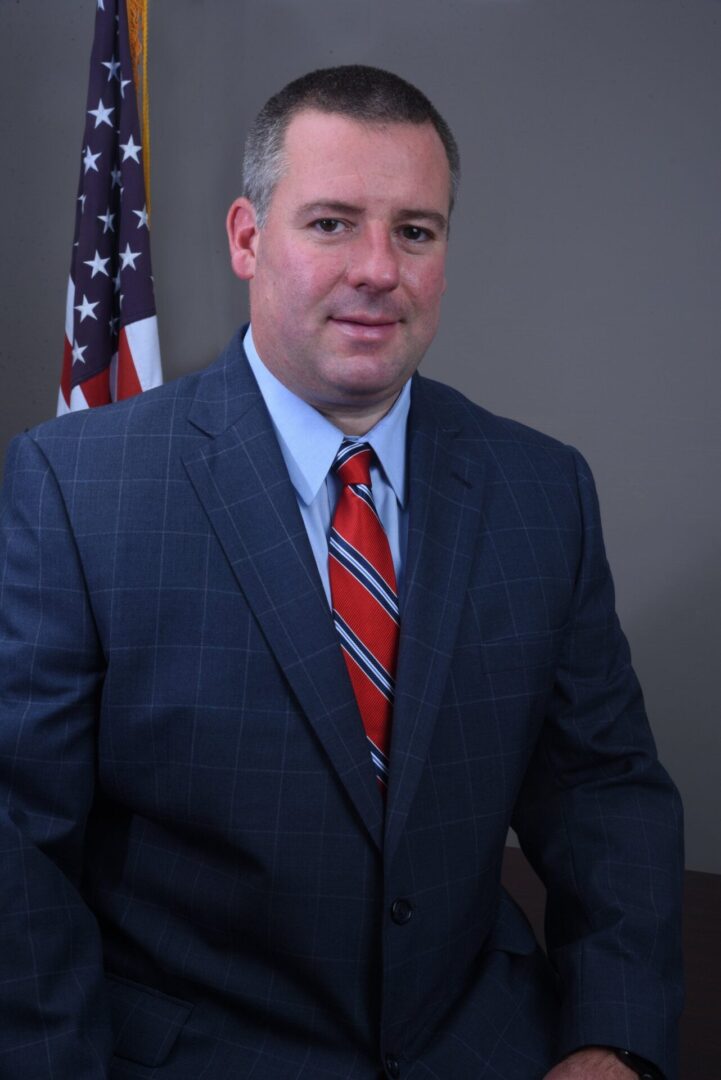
[369,386]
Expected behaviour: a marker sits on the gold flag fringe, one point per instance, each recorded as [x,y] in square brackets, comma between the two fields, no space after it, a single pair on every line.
[138,31]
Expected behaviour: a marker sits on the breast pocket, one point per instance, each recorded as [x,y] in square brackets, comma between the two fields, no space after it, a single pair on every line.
[524,664]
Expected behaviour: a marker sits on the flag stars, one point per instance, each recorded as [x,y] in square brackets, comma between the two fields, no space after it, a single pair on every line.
[102,114]
[97,265]
[105,209]
[142,216]
[128,258]
[78,351]
[90,159]
[87,310]
[131,150]
[113,67]
[107,219]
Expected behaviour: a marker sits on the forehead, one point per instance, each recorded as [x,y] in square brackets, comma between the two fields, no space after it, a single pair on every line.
[330,155]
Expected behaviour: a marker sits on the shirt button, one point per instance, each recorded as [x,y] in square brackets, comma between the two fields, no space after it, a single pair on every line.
[401,911]
[393,1066]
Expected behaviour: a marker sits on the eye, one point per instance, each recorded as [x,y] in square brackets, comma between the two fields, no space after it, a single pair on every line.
[415,234]
[327,225]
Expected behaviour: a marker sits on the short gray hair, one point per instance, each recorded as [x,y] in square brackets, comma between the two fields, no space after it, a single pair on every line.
[361,93]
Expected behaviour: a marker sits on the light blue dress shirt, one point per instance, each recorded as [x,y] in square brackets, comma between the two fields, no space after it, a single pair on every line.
[309,444]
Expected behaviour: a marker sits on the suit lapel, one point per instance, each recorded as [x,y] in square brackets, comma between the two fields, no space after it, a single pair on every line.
[241,480]
[444,508]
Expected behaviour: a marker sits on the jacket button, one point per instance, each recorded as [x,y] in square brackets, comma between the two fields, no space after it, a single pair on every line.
[401,912]
[393,1066]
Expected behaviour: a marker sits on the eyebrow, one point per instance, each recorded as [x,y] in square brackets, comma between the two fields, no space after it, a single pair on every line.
[334,207]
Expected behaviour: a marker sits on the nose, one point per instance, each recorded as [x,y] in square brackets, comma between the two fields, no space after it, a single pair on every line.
[373,262]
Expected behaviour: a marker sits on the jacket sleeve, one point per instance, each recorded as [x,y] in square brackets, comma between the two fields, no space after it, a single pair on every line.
[55,1020]
[601,822]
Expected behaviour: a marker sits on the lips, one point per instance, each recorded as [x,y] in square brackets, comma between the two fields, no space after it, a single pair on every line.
[366,320]
[365,329]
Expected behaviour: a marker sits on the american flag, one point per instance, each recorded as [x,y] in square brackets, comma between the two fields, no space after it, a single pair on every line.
[111,329]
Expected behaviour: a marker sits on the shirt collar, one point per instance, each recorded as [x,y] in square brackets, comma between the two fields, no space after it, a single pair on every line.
[309,442]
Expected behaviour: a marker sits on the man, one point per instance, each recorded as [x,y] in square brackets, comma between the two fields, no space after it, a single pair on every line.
[269,714]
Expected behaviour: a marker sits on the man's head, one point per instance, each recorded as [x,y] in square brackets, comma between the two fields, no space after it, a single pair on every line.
[365,94]
[342,235]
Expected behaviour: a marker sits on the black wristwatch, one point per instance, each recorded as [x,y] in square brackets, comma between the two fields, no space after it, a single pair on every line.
[640,1066]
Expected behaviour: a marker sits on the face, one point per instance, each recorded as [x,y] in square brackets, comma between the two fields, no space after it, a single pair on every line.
[347,273]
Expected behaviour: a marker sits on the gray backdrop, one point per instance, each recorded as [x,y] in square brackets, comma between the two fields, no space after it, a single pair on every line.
[585,259]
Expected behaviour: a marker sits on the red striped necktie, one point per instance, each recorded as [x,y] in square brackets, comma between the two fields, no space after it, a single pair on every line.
[365,602]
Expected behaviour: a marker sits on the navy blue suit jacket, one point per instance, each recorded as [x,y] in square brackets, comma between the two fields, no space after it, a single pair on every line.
[198,875]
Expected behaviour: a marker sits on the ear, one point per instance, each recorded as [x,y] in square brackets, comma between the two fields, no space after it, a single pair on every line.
[243,235]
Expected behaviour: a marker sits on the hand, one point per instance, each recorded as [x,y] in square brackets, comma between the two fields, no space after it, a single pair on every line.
[591,1063]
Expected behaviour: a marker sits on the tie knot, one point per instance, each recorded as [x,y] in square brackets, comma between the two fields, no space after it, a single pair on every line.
[353,463]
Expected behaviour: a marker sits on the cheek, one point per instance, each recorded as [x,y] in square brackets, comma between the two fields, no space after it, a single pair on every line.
[427,283]
[430,304]
[303,285]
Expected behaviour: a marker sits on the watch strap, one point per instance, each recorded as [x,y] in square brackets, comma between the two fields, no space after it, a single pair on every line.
[645,1069]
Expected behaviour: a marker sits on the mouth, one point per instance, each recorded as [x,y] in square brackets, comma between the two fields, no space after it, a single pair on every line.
[365,320]
[364,328]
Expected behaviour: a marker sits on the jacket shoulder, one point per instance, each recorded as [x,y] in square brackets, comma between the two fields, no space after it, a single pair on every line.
[498,438]
[141,413]
[124,430]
